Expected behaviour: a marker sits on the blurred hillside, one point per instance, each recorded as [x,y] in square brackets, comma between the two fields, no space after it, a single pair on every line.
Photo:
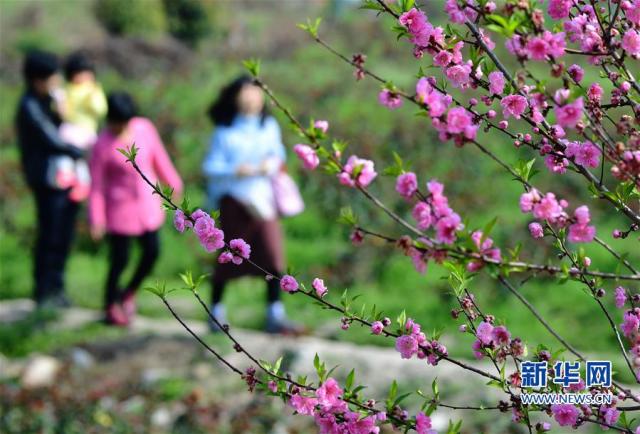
[175,80]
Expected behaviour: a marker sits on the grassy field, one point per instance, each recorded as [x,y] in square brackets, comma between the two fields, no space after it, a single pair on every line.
[313,84]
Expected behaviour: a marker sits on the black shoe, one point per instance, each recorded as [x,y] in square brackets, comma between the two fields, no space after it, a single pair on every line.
[57,301]
[63,301]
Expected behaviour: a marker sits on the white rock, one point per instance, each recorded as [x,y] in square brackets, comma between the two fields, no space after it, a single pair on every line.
[82,358]
[40,371]
[161,418]
[151,376]
[134,404]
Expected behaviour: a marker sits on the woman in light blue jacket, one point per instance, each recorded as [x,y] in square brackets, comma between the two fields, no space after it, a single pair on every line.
[246,151]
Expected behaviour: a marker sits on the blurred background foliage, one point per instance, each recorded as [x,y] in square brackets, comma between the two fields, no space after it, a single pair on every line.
[174,55]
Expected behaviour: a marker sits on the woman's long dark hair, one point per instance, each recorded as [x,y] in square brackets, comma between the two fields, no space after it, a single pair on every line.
[225,108]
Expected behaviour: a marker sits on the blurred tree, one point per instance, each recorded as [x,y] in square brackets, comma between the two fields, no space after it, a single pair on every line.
[124,17]
[187,20]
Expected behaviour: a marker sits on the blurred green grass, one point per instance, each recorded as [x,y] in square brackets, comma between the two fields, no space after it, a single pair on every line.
[313,84]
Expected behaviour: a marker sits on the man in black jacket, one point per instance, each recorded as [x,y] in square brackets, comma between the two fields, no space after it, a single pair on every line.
[40,144]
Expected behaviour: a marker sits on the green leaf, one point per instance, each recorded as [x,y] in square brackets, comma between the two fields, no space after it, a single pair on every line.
[321,369]
[594,190]
[328,374]
[185,205]
[497,29]
[339,146]
[392,171]
[454,428]
[347,216]
[393,392]
[626,191]
[187,278]
[349,381]
[524,169]
[358,389]
[401,398]
[322,152]
[331,167]
[487,230]
[311,27]
[495,383]
[200,279]
[159,289]
[458,277]
[252,66]
[130,152]
[498,19]
[623,420]
[266,365]
[276,367]
[396,168]
[372,5]
[406,5]
[401,320]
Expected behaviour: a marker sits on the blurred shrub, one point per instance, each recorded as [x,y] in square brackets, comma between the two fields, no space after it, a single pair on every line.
[187,20]
[31,39]
[125,17]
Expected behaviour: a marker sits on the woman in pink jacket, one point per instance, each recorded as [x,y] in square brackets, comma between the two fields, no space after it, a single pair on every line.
[122,205]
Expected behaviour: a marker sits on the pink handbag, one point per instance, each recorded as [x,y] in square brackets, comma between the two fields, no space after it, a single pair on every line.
[286,194]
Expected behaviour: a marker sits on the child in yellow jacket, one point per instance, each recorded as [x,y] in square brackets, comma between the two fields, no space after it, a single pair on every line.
[83,106]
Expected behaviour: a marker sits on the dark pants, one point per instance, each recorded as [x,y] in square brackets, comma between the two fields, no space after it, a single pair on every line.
[120,246]
[265,238]
[56,214]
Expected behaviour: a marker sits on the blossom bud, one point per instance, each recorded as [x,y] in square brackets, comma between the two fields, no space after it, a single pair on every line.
[377,327]
[536,230]
[273,386]
[557,69]
[489,7]
[545,149]
[357,237]
[576,72]
[544,355]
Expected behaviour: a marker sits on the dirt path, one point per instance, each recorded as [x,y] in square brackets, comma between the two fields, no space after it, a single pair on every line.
[160,346]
